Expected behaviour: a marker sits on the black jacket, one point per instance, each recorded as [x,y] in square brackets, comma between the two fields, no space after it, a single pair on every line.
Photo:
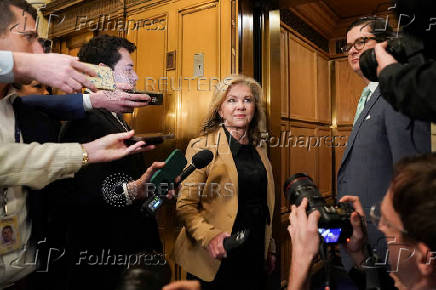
[93,225]
[410,89]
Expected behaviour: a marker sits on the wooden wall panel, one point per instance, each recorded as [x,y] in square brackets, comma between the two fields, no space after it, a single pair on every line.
[302,80]
[195,38]
[150,68]
[302,159]
[323,98]
[349,86]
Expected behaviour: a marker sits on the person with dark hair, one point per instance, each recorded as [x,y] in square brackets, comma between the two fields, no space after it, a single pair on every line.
[407,215]
[110,218]
[150,274]
[34,88]
[407,218]
[380,135]
[45,44]
[104,49]
[112,52]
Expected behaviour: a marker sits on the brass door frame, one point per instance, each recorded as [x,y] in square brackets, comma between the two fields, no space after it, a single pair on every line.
[259,57]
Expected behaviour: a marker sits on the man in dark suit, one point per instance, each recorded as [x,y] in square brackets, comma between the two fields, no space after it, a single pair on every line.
[380,136]
[96,225]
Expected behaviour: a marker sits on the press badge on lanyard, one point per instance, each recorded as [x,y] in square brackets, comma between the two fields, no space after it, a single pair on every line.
[10,232]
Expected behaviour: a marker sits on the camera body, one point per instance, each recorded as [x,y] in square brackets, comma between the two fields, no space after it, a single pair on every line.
[334,223]
[405,49]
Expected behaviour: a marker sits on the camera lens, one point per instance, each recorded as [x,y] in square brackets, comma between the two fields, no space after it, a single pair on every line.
[299,186]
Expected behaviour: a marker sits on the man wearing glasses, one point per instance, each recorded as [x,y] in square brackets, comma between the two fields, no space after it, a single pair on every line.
[380,136]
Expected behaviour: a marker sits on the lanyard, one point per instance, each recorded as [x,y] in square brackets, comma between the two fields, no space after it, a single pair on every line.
[4,197]
[17,130]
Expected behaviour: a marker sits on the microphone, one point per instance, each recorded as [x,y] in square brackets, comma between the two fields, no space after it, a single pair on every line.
[235,240]
[199,161]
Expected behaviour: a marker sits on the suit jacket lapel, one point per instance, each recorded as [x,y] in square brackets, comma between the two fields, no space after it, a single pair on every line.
[368,106]
[223,150]
[108,115]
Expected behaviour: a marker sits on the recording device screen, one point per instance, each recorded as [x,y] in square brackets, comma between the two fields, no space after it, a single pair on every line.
[330,235]
[155,203]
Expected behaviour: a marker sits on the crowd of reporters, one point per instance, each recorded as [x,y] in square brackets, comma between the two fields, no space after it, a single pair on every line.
[58,187]
[407,209]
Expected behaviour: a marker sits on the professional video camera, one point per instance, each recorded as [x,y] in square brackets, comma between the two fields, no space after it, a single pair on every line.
[409,85]
[334,224]
[405,48]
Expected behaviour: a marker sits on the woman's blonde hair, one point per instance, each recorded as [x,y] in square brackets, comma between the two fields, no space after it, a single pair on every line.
[214,120]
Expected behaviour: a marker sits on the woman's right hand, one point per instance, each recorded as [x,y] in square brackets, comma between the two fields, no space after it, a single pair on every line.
[216,246]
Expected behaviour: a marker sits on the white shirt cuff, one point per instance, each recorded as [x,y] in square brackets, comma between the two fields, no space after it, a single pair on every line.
[126,194]
[6,67]
[87,105]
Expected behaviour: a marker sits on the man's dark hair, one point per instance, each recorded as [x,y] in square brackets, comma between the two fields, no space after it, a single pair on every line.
[377,26]
[7,227]
[8,16]
[414,197]
[45,43]
[150,277]
[104,49]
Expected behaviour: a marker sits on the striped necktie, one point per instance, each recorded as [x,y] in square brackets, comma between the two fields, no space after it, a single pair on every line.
[365,94]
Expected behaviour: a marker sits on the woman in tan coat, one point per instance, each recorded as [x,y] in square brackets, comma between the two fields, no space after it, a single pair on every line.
[234,192]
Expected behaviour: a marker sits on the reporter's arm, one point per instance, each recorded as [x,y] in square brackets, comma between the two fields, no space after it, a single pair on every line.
[55,70]
[73,106]
[59,107]
[36,165]
[299,274]
[183,285]
[305,244]
[116,101]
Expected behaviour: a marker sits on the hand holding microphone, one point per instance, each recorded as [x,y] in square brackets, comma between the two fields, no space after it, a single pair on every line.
[223,243]
[119,190]
[165,176]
